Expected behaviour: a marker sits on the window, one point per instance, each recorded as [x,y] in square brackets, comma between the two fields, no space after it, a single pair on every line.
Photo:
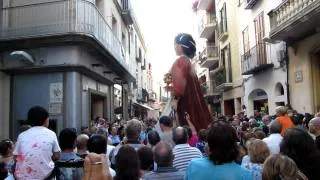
[124,42]
[223,20]
[279,89]
[114,26]
[226,61]
[135,44]
[261,48]
[245,39]
[129,41]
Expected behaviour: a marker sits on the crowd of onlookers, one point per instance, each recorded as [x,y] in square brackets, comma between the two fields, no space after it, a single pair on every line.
[281,147]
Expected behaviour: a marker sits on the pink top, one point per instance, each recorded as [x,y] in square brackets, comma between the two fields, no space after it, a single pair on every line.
[193,140]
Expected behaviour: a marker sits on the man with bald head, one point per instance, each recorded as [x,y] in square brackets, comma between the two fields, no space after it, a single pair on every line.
[183,152]
[275,138]
[314,128]
[81,143]
[163,157]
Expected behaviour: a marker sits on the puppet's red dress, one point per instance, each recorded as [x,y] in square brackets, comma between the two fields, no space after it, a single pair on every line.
[186,87]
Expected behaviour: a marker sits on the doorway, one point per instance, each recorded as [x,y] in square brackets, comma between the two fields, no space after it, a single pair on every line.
[229,107]
[97,105]
[261,105]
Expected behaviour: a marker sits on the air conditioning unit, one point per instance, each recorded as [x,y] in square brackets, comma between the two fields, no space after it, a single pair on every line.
[281,55]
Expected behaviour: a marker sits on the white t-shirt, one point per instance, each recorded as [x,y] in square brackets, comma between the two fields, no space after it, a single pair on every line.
[273,143]
[34,149]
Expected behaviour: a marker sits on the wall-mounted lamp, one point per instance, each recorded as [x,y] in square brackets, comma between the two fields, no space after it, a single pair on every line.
[23,56]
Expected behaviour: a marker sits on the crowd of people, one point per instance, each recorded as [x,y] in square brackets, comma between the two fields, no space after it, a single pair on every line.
[281,147]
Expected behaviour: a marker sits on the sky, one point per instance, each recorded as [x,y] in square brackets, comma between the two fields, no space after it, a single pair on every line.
[160,21]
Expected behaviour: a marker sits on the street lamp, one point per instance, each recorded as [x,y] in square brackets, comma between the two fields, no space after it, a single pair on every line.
[23,56]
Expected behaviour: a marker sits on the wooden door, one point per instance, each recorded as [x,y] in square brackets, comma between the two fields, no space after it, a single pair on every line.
[260,33]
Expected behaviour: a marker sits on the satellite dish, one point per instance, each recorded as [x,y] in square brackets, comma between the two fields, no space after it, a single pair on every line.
[23,56]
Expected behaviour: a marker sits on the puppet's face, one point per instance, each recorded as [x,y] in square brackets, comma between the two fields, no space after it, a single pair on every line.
[178,49]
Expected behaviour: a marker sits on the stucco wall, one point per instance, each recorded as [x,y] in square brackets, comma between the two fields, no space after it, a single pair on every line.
[232,38]
[301,93]
[266,81]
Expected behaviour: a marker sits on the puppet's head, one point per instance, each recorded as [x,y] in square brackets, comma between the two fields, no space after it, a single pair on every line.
[185,45]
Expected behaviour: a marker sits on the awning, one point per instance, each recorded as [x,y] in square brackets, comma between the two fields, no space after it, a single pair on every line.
[143,106]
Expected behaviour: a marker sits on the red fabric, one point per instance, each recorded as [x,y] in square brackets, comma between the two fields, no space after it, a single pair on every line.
[186,85]
[179,73]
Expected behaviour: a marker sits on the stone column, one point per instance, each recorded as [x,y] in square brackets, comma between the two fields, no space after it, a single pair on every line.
[72,100]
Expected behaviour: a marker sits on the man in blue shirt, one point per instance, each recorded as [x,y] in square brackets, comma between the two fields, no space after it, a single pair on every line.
[67,141]
[220,165]
[114,136]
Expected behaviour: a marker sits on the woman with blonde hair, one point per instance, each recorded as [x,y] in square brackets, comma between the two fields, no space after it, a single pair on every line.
[258,152]
[281,167]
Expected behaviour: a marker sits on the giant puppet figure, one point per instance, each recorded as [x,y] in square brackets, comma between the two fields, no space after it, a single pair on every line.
[187,98]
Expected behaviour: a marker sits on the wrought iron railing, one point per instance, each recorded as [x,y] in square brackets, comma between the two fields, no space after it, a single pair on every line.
[211,51]
[220,78]
[207,20]
[61,18]
[254,58]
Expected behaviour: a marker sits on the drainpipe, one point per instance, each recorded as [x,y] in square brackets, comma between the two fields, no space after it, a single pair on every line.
[287,84]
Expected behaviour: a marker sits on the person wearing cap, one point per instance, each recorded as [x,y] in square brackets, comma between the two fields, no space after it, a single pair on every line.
[186,91]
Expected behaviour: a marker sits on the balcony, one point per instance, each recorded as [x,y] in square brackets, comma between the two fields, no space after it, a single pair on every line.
[205,4]
[250,3]
[255,60]
[207,26]
[222,81]
[208,89]
[125,8]
[209,56]
[294,20]
[65,21]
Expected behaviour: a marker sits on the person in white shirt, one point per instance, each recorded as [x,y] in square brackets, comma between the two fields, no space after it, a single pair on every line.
[275,138]
[183,152]
[36,147]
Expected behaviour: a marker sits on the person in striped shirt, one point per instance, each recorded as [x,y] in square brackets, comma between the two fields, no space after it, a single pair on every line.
[183,152]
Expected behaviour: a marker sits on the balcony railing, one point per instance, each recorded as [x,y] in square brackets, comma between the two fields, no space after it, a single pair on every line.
[220,78]
[223,31]
[209,56]
[126,11]
[62,18]
[294,18]
[250,4]
[207,26]
[255,60]
[208,88]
